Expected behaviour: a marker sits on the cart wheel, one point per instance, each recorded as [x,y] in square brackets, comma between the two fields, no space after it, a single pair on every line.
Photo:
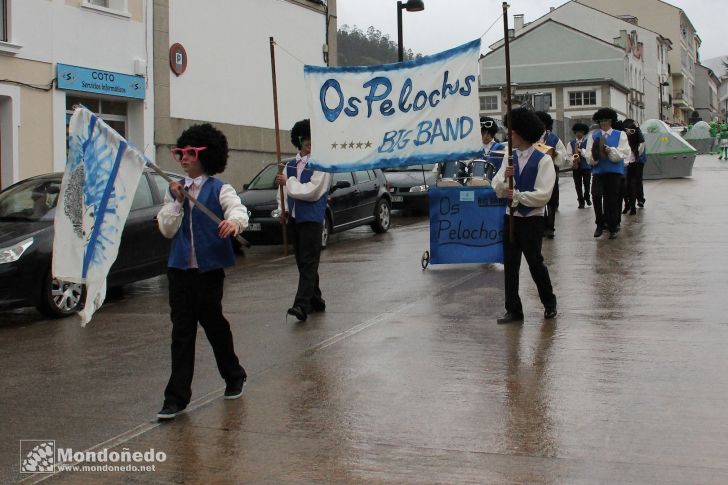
[425,259]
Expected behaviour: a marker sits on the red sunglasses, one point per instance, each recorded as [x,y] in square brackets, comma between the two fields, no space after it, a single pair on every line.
[193,153]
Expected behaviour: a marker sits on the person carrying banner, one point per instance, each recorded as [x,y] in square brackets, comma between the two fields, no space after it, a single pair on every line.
[581,171]
[606,150]
[557,153]
[534,177]
[200,251]
[306,191]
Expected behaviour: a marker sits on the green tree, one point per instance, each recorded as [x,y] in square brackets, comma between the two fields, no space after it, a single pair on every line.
[356,48]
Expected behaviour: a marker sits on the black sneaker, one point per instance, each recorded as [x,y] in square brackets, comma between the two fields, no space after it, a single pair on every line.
[641,203]
[234,390]
[170,411]
[549,313]
[298,312]
[318,305]
[509,317]
[598,232]
[588,202]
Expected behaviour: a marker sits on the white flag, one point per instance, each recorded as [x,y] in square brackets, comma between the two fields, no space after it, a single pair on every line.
[98,187]
[414,112]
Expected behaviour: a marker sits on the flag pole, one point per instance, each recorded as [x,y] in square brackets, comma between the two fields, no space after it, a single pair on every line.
[508,113]
[281,194]
[196,202]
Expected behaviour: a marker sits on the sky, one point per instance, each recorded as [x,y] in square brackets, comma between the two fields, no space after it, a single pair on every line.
[448,23]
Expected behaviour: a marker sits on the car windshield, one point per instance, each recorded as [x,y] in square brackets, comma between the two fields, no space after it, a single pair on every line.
[265,180]
[411,168]
[32,200]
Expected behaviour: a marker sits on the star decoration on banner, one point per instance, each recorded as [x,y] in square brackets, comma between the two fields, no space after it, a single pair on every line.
[360,145]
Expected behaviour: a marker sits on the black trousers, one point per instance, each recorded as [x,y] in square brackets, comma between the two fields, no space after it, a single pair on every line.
[606,200]
[307,248]
[582,182]
[552,205]
[633,183]
[527,234]
[197,297]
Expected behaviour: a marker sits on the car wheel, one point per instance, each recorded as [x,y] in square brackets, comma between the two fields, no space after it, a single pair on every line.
[382,216]
[60,298]
[326,233]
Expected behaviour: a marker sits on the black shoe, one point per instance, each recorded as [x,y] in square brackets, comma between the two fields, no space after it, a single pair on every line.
[234,389]
[641,203]
[318,305]
[549,233]
[549,313]
[509,317]
[170,411]
[298,312]
[581,205]
[613,235]
[598,232]
[633,212]
[625,210]
[588,202]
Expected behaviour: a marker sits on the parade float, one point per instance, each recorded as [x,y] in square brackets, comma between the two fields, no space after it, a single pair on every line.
[700,138]
[668,154]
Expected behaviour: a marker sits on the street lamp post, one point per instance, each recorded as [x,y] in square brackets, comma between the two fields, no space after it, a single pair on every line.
[662,85]
[410,6]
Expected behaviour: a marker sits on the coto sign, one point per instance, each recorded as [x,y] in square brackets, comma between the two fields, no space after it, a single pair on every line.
[103,76]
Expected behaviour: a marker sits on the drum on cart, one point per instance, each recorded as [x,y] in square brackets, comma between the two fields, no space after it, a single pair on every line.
[452,174]
[481,173]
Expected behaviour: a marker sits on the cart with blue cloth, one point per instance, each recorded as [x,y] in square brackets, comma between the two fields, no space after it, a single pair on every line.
[466,225]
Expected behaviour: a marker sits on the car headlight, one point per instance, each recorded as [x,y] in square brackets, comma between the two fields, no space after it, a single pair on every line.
[14,252]
[419,188]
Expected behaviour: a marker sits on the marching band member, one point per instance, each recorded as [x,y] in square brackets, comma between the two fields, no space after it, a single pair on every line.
[534,178]
[633,166]
[488,130]
[200,251]
[581,171]
[557,152]
[605,151]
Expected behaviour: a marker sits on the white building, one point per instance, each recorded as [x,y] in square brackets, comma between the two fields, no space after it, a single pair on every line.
[57,53]
[227,77]
[649,50]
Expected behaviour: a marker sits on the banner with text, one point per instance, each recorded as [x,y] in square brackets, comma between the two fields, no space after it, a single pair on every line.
[466,225]
[392,115]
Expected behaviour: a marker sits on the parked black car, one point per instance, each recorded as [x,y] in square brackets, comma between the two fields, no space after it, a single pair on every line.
[355,199]
[408,186]
[27,209]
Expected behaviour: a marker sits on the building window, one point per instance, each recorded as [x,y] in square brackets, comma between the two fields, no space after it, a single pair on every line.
[117,7]
[114,113]
[489,103]
[4,20]
[542,102]
[583,98]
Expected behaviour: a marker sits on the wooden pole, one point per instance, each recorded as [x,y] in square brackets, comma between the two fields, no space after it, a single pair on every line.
[278,142]
[196,202]
[508,113]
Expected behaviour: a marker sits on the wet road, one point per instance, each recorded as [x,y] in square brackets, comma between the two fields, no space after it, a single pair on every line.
[406,377]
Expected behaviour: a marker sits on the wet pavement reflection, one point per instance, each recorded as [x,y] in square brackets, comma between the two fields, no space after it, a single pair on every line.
[407,378]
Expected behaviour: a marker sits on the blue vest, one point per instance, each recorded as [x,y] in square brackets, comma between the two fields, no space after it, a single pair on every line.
[211,250]
[552,139]
[605,165]
[526,179]
[583,165]
[305,211]
[643,157]
[495,159]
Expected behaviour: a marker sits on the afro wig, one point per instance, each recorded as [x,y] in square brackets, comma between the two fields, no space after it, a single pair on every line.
[582,127]
[605,114]
[214,159]
[527,124]
[300,132]
[546,119]
[492,129]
